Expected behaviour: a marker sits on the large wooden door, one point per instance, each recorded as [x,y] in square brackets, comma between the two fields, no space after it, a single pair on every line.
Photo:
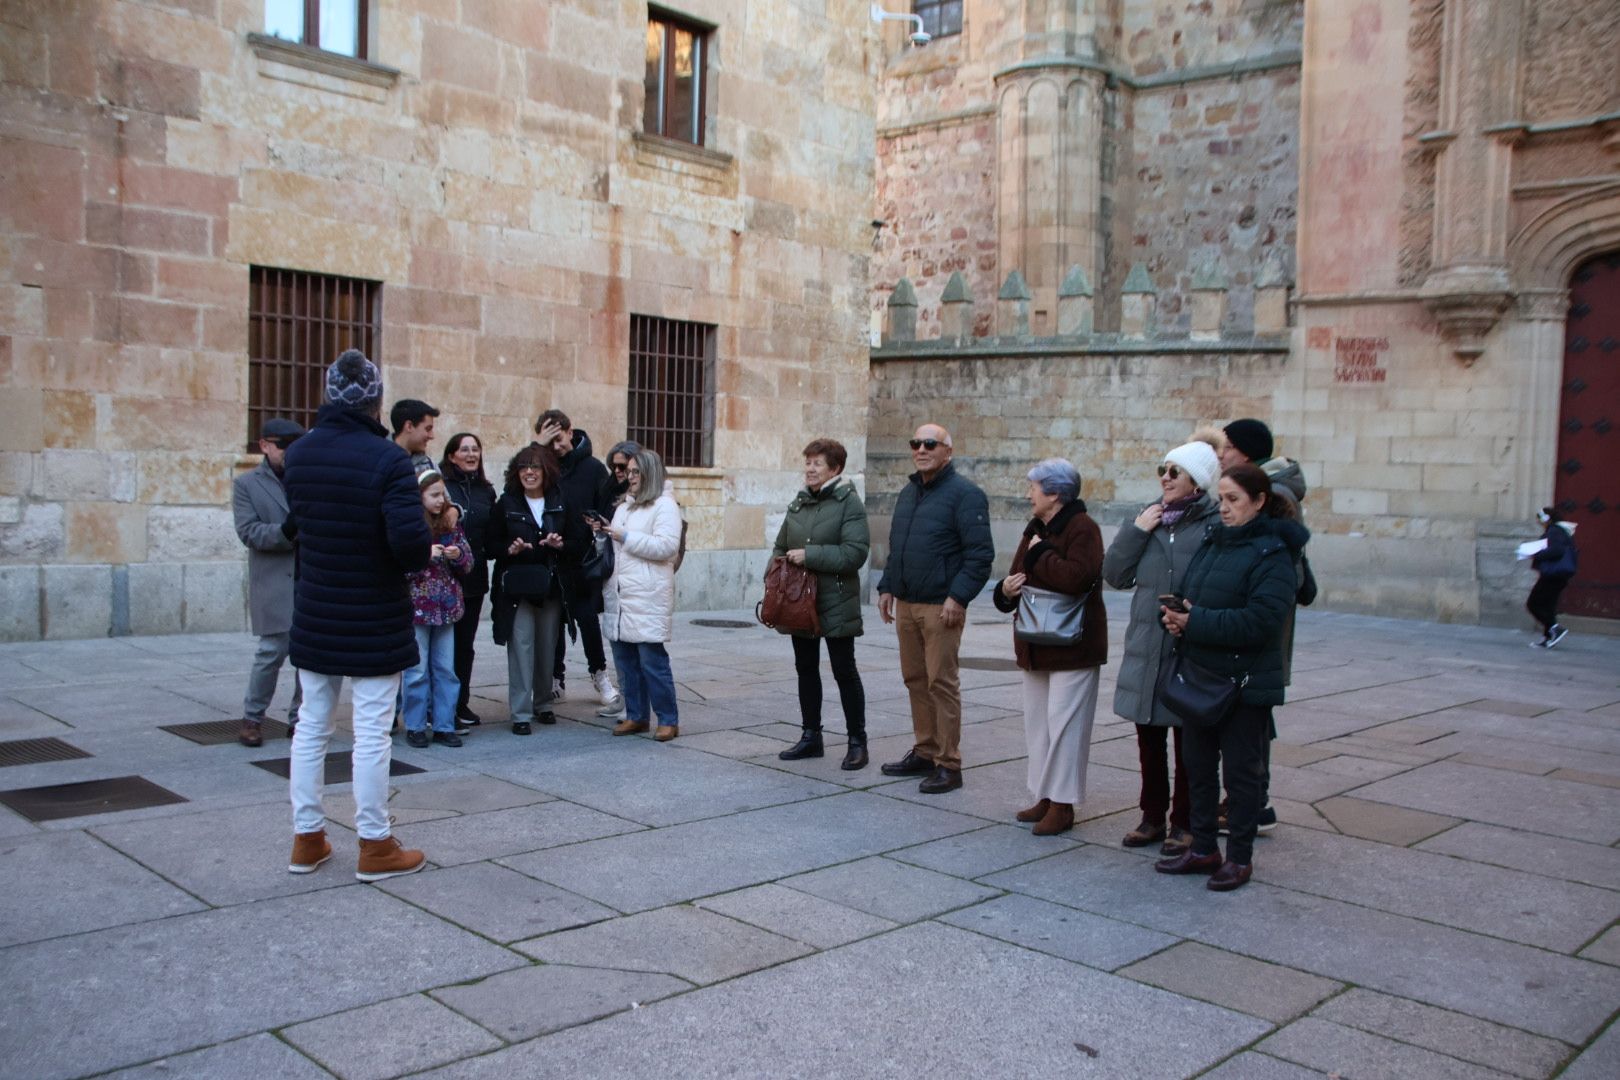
[1588,486]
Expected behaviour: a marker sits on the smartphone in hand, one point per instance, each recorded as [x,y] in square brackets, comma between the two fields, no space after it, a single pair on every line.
[1173,602]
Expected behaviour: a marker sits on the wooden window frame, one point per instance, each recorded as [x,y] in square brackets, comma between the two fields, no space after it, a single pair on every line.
[294,333]
[670,389]
[925,8]
[703,37]
[362,34]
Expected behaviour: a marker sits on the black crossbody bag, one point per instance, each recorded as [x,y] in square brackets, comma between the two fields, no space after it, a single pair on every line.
[1201,697]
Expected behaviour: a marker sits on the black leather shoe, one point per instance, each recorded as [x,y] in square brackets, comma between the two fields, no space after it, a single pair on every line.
[521,727]
[1230,876]
[448,738]
[1188,863]
[547,718]
[855,757]
[418,739]
[910,765]
[809,745]
[941,780]
[468,717]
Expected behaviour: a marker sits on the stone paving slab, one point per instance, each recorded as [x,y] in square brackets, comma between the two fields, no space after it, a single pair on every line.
[260,1056]
[997,792]
[1269,991]
[1605,948]
[687,942]
[1600,1061]
[817,922]
[1079,936]
[1481,1042]
[1343,1051]
[105,888]
[888,889]
[376,1042]
[639,871]
[1379,821]
[1576,811]
[984,851]
[1252,1066]
[531,1001]
[499,833]
[496,902]
[1028,1012]
[334,950]
[1544,992]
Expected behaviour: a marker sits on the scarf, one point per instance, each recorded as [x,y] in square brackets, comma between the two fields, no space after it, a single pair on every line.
[1173,511]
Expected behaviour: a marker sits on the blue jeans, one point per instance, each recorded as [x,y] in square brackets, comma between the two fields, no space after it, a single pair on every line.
[432,683]
[644,679]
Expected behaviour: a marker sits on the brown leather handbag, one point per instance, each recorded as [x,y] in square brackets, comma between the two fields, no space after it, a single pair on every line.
[790,599]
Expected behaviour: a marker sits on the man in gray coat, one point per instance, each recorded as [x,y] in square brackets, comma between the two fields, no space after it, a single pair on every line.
[259,503]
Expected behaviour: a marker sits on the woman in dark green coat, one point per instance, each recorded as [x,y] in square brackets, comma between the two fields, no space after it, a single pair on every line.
[825,530]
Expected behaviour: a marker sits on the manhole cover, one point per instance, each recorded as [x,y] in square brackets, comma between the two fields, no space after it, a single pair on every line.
[339,767]
[985,663]
[215,732]
[34,751]
[724,624]
[89,797]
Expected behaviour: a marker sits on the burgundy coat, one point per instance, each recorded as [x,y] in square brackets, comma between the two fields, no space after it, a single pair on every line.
[1064,555]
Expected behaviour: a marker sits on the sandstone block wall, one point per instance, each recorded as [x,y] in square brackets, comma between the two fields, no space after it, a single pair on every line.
[488,169]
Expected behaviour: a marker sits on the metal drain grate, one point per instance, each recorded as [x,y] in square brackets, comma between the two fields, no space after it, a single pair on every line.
[90,797]
[985,663]
[339,767]
[216,732]
[34,751]
[724,624]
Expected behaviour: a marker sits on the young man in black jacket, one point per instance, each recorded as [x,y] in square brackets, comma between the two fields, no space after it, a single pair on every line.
[939,559]
[586,487]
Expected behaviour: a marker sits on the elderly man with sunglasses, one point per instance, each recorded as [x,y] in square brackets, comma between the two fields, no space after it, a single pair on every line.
[939,560]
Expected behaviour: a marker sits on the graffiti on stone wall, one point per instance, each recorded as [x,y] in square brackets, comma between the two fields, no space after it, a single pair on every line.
[1359,361]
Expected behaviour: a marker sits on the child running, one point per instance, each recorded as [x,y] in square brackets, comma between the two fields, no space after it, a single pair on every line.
[431,687]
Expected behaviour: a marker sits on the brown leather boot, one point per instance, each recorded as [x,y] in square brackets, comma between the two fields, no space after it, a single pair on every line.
[631,727]
[1060,818]
[385,858]
[310,849]
[666,732]
[1036,812]
[1148,832]
[251,733]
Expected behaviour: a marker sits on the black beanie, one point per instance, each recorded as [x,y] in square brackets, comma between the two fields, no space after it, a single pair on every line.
[1250,436]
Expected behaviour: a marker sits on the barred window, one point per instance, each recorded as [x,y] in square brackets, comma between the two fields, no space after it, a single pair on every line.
[677,58]
[337,26]
[941,18]
[672,389]
[298,323]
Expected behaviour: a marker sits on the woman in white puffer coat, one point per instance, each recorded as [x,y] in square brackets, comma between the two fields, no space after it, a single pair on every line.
[638,602]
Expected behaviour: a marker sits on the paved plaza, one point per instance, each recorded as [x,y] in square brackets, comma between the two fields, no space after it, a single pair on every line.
[1440,900]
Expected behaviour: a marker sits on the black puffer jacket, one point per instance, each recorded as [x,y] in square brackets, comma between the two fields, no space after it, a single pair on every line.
[475,499]
[584,483]
[939,541]
[1241,586]
[360,530]
[512,520]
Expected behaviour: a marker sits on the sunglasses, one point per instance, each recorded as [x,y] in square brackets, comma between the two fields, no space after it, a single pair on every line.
[926,444]
[620,466]
[1171,471]
[530,468]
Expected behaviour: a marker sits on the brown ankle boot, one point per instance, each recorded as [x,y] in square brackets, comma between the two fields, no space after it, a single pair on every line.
[385,858]
[310,849]
[1060,818]
[666,732]
[1036,812]
[630,727]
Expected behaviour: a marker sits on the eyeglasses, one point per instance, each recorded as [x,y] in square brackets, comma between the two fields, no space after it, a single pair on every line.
[927,444]
[632,472]
[1171,471]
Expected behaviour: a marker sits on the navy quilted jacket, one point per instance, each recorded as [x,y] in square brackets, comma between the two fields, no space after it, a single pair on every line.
[939,541]
[360,530]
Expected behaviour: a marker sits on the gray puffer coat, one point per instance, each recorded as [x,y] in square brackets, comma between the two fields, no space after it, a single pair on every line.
[1151,563]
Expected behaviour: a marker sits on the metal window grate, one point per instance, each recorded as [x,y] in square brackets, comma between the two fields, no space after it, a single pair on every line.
[297,325]
[671,399]
[35,751]
[339,767]
[220,732]
[57,801]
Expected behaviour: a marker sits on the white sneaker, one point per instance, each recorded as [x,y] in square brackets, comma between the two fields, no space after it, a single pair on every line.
[614,711]
[558,692]
[1556,634]
[605,689]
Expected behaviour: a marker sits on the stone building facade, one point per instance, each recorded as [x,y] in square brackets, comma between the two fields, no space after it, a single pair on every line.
[1360,221]
[487,165]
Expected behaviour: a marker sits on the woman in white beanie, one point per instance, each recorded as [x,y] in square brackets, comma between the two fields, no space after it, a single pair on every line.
[1151,555]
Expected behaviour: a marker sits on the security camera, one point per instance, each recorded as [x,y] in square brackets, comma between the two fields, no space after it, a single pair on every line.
[920,38]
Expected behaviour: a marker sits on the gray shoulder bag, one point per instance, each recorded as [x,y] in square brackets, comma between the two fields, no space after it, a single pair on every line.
[1049,618]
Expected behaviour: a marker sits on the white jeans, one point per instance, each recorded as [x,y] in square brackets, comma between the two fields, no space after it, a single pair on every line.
[1058,710]
[373,749]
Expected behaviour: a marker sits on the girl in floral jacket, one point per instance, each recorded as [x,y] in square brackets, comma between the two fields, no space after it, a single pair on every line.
[431,687]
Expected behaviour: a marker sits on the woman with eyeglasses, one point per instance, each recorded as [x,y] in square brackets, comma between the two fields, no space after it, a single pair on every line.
[463,470]
[638,602]
[1151,555]
[525,533]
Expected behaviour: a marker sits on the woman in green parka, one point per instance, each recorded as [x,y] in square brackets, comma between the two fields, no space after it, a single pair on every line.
[825,530]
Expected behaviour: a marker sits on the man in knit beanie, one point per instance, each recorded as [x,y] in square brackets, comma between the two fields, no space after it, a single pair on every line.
[354,497]
[1249,441]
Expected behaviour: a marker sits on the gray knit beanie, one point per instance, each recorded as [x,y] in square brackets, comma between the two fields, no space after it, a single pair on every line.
[353,381]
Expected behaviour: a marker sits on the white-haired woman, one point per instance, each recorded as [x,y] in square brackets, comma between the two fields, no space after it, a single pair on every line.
[1061,551]
[638,602]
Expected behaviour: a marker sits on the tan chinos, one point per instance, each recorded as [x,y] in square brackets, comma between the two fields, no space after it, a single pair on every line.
[928,663]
